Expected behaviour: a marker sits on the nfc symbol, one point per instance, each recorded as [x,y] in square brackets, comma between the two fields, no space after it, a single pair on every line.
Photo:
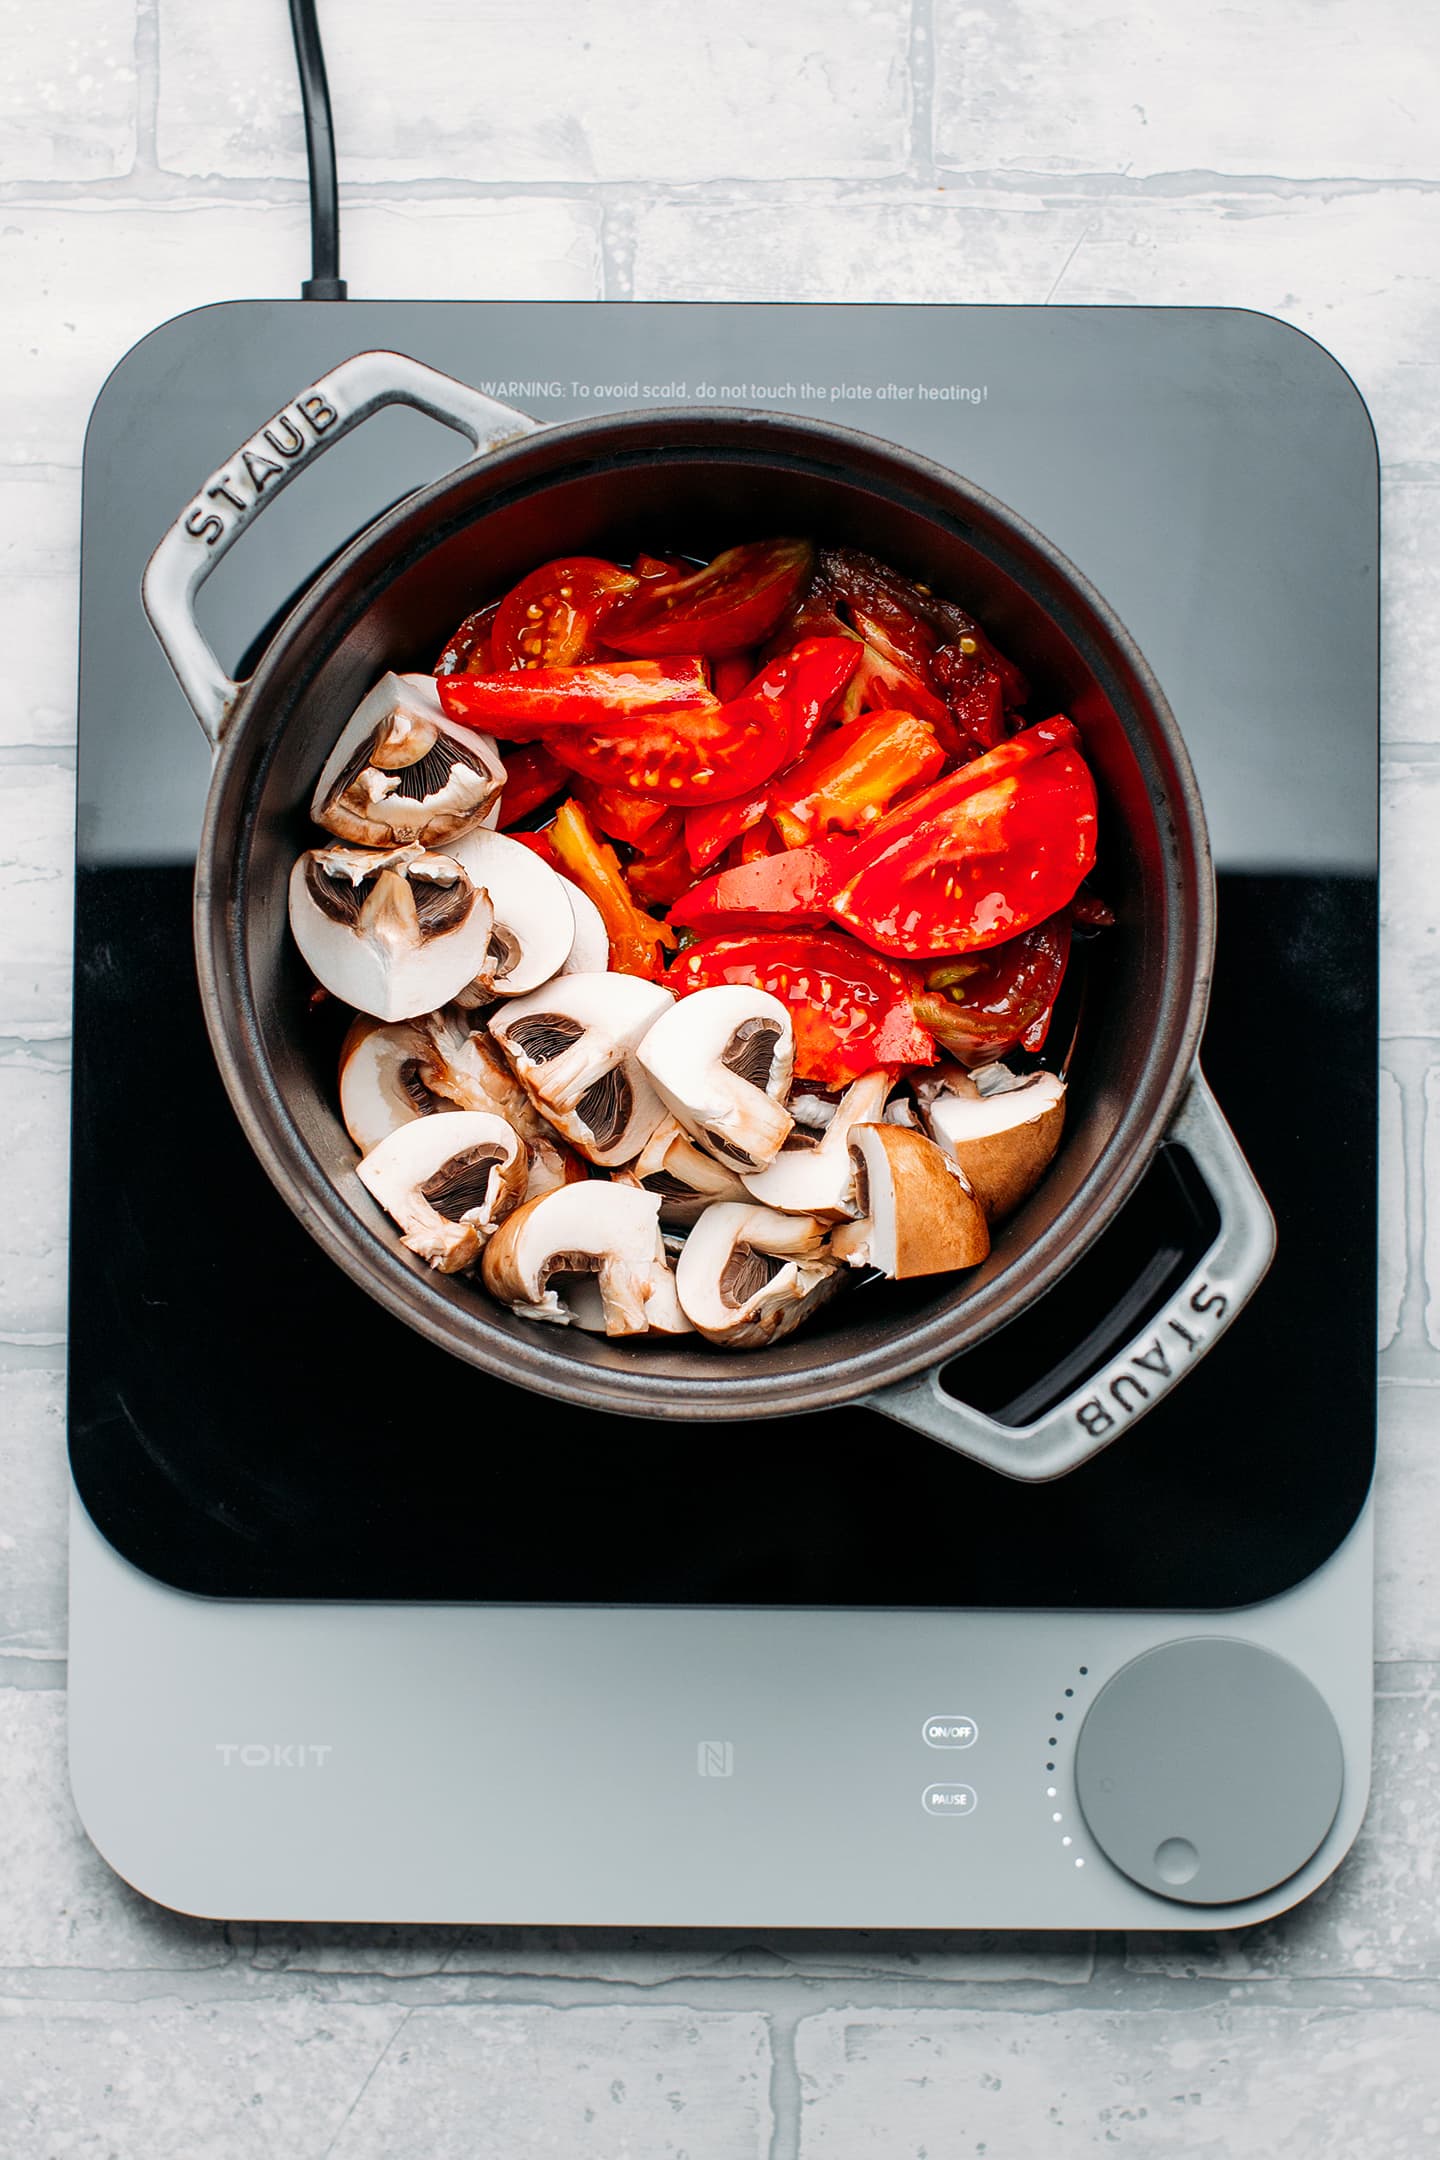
[715,1758]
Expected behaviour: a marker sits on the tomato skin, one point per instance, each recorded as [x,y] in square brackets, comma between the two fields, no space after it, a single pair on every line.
[852,775]
[782,890]
[685,756]
[528,704]
[983,1006]
[733,674]
[658,878]
[621,815]
[851,1011]
[531,778]
[636,939]
[980,856]
[734,602]
[710,830]
[549,619]
[809,681]
[468,651]
[907,624]
[881,685]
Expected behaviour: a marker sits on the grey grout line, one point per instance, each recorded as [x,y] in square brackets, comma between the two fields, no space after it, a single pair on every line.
[920,59]
[147,86]
[149,185]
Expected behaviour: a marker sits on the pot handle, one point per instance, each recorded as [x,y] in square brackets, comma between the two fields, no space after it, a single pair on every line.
[1135,1379]
[233,497]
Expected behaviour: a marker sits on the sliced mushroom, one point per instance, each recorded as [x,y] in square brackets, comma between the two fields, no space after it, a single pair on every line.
[918,1213]
[687,1180]
[393,933]
[748,1276]
[816,1177]
[573,1047]
[1003,1138]
[448,1182]
[384,1079]
[533,927]
[464,1070]
[590,953]
[402,772]
[610,1232]
[721,1062]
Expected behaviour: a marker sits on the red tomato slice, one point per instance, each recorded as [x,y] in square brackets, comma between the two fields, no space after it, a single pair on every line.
[732,674]
[735,602]
[528,704]
[851,1011]
[772,891]
[549,619]
[980,856]
[709,831]
[468,652]
[623,816]
[685,757]
[809,681]
[982,1006]
[660,878]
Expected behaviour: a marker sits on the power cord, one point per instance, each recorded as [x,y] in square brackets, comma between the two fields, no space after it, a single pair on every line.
[324,281]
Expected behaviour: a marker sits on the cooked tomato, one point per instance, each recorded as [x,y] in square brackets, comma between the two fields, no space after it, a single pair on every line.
[987,1003]
[528,704]
[906,622]
[660,876]
[851,1010]
[853,774]
[980,856]
[732,674]
[882,685]
[684,757]
[770,892]
[531,778]
[710,830]
[549,619]
[809,681]
[973,691]
[636,939]
[661,567]
[623,816]
[468,652]
[734,602]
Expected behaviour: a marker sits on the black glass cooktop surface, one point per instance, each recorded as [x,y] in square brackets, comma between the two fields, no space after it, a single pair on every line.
[244,1420]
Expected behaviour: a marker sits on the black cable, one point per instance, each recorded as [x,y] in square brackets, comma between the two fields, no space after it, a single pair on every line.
[324,281]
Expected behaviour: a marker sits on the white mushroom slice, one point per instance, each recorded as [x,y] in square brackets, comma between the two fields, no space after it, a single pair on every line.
[610,1232]
[1004,1139]
[814,1112]
[721,1063]
[393,933]
[534,925]
[900,1110]
[918,1213]
[465,1071]
[687,1180]
[383,1079]
[816,1177]
[590,953]
[448,1182]
[662,1308]
[403,772]
[573,1047]
[748,1276]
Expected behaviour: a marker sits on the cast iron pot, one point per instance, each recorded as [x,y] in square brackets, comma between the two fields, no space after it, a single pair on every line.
[707,479]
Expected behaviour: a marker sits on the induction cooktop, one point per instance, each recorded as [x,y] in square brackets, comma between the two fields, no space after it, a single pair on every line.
[518,1661]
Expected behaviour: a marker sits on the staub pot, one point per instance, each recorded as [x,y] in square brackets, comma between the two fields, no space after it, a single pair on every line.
[607,486]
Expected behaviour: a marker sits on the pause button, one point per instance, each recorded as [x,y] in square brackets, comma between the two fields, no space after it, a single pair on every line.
[948,1800]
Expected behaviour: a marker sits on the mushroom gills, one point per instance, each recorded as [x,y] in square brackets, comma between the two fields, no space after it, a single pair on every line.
[572,1046]
[402,771]
[721,1061]
[608,1233]
[748,1276]
[394,932]
[449,1182]
[385,1079]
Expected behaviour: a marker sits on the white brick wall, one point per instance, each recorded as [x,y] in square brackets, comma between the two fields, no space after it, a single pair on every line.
[1275,154]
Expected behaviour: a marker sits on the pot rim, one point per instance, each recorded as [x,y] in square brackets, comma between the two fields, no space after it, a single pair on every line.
[380,1269]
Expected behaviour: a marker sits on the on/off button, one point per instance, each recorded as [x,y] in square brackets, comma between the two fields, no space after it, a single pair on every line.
[950,1732]
[948,1800]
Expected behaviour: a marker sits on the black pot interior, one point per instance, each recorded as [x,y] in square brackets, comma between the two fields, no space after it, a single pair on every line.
[611,489]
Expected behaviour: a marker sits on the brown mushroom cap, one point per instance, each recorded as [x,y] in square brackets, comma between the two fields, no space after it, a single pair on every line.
[1003,1142]
[924,1218]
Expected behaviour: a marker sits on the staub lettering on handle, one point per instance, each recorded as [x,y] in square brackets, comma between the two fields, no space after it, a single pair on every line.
[1134,1381]
[230,495]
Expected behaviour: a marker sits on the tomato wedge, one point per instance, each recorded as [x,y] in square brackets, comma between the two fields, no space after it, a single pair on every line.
[549,619]
[980,856]
[531,778]
[469,650]
[853,774]
[770,892]
[530,703]
[988,1003]
[809,682]
[636,939]
[623,816]
[734,602]
[658,878]
[709,831]
[852,1011]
